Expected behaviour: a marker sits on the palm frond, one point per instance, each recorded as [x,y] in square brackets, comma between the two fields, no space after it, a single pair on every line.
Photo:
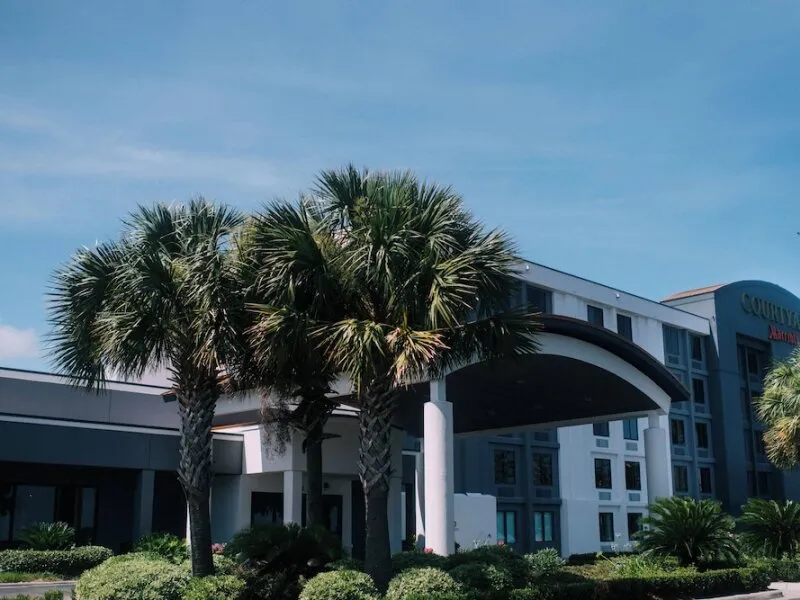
[779,409]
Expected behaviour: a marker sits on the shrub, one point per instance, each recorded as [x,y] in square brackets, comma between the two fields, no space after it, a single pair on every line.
[48,595]
[501,556]
[165,545]
[771,529]
[276,585]
[215,587]
[689,530]
[426,582]
[340,585]
[415,559]
[483,577]
[222,565]
[278,547]
[17,577]
[544,563]
[133,577]
[346,564]
[65,563]
[48,536]
[589,558]
[785,569]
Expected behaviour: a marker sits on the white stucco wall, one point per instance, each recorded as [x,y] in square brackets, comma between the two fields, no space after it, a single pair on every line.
[476,520]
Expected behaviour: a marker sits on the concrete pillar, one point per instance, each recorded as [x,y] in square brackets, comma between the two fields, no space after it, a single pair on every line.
[419,498]
[657,460]
[439,475]
[143,503]
[292,497]
[396,514]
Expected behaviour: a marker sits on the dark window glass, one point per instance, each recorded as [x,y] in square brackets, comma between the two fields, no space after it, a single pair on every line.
[633,478]
[678,431]
[266,508]
[705,481]
[542,526]
[748,444]
[745,403]
[505,467]
[701,429]
[751,484]
[763,484]
[673,344]
[606,521]
[625,327]
[630,429]
[542,469]
[594,315]
[752,362]
[601,429]
[761,448]
[634,524]
[699,390]
[33,504]
[538,299]
[697,348]
[507,526]
[680,477]
[6,508]
[602,473]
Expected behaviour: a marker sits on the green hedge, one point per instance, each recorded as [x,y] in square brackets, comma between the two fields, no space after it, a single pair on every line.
[694,585]
[133,577]
[65,563]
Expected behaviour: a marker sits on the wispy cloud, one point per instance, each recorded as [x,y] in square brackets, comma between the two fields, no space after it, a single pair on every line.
[18,343]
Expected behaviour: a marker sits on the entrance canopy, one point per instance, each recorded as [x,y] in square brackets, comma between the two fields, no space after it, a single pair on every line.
[582,374]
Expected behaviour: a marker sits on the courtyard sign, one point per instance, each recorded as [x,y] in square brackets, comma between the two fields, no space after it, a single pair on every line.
[769,311]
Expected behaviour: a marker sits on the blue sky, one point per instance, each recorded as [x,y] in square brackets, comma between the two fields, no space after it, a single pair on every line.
[652,146]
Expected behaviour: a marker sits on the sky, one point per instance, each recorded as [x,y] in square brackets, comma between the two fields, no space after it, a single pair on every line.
[651,146]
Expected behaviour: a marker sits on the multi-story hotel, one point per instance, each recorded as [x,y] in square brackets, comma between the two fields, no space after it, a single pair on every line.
[566,449]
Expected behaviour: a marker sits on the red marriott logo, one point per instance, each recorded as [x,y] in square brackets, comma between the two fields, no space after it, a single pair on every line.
[779,335]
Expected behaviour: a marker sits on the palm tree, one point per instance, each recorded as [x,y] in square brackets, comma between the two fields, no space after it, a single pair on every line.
[414,269]
[161,296]
[689,530]
[284,257]
[772,529]
[779,409]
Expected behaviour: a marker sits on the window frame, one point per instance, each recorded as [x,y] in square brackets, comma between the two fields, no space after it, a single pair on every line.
[700,480]
[627,430]
[638,523]
[536,471]
[513,454]
[636,478]
[540,516]
[597,311]
[685,470]
[610,523]
[682,422]
[603,426]
[506,514]
[706,427]
[599,476]
[623,318]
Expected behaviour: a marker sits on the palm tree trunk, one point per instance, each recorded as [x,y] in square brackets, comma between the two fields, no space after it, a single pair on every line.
[194,473]
[314,514]
[375,471]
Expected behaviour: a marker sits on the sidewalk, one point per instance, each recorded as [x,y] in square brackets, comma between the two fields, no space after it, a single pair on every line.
[11,590]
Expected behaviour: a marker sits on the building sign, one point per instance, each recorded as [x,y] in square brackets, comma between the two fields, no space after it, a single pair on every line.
[769,311]
[779,335]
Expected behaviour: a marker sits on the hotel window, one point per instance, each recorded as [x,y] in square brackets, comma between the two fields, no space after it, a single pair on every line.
[601,429]
[761,448]
[699,393]
[633,476]
[763,484]
[705,481]
[677,429]
[594,314]
[630,429]
[673,345]
[745,399]
[625,327]
[602,473]
[538,299]
[542,526]
[751,484]
[701,431]
[748,444]
[698,352]
[606,521]
[266,508]
[542,469]
[505,467]
[634,524]
[507,526]
[680,479]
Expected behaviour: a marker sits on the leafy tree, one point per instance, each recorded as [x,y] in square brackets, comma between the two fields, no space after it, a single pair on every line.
[779,409]
[771,528]
[162,296]
[414,268]
[688,529]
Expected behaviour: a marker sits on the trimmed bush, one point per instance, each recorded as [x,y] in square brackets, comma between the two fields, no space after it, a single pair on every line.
[280,547]
[17,577]
[64,563]
[483,577]
[777,569]
[415,559]
[427,582]
[500,556]
[668,586]
[589,558]
[133,577]
[346,564]
[215,587]
[164,545]
[544,563]
[48,536]
[340,585]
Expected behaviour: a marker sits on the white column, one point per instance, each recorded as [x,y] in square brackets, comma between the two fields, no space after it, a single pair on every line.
[439,476]
[419,497]
[143,503]
[292,497]
[657,460]
[395,514]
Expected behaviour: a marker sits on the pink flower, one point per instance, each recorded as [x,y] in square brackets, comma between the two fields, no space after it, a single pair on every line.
[501,543]
[428,550]
[217,548]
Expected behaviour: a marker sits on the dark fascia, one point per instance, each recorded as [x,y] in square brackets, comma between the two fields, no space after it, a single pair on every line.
[608,340]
